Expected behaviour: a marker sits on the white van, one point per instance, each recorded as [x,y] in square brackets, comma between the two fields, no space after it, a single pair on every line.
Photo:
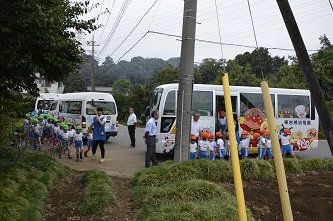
[80,107]
[46,100]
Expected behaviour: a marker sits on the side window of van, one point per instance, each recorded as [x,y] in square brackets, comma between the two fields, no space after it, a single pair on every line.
[64,107]
[75,107]
[54,106]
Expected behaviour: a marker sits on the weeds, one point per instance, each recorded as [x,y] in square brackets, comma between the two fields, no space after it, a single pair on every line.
[98,193]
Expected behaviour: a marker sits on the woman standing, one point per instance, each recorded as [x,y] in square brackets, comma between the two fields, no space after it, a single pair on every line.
[99,134]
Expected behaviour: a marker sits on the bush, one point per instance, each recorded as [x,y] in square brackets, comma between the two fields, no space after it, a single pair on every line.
[98,193]
[220,171]
[316,164]
[266,170]
[192,190]
[250,169]
[25,186]
[292,165]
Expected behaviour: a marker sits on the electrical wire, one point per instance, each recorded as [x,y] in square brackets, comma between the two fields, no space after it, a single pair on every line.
[330,4]
[218,25]
[107,20]
[134,28]
[255,38]
[158,6]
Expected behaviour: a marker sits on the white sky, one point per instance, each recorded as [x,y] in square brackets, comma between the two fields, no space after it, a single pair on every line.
[314,18]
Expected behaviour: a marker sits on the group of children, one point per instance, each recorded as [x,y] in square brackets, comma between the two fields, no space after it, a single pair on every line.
[208,148]
[60,135]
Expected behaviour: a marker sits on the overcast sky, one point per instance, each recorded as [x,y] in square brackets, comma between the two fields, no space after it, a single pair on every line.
[314,18]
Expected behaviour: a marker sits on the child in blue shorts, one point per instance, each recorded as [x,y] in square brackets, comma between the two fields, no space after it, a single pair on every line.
[223,122]
[244,143]
[65,143]
[36,133]
[78,142]
[268,145]
[90,140]
[212,147]
[261,145]
[220,145]
[203,145]
[193,147]
[285,142]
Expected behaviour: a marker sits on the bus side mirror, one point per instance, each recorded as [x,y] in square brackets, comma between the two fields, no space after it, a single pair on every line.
[147,112]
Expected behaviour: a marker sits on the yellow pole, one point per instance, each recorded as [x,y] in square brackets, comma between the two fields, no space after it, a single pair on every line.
[234,151]
[280,172]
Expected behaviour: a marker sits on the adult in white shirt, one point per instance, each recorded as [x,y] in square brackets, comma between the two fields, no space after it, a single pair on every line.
[131,125]
[196,127]
[150,137]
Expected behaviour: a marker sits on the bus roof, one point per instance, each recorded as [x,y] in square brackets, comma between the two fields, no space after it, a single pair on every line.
[86,96]
[236,88]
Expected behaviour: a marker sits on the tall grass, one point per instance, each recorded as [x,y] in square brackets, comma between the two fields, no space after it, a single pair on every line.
[98,193]
[25,186]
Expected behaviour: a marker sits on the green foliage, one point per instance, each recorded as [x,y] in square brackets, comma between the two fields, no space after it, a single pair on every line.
[75,83]
[292,165]
[98,193]
[122,86]
[25,186]
[250,169]
[266,170]
[39,36]
[192,190]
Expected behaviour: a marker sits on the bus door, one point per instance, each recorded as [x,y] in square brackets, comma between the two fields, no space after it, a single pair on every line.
[220,106]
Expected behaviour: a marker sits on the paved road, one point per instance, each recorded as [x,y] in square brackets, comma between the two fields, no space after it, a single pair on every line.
[119,159]
[123,161]
[323,151]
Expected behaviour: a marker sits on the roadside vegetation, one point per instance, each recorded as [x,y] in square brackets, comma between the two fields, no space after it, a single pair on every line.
[191,191]
[98,192]
[25,185]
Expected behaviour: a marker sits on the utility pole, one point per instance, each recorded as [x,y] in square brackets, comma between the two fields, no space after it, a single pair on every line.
[307,68]
[186,78]
[93,73]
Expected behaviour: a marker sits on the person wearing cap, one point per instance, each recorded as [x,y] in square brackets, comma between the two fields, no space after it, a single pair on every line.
[244,143]
[90,140]
[193,147]
[131,125]
[220,145]
[26,127]
[261,144]
[268,146]
[223,121]
[99,136]
[150,138]
[285,142]
[78,142]
[37,138]
[196,127]
[55,129]
[212,146]
[65,142]
[203,145]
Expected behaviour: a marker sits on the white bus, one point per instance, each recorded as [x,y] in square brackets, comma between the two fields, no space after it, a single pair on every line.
[46,100]
[80,107]
[294,109]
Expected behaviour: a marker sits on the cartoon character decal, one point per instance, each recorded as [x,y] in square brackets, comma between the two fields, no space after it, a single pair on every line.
[168,145]
[286,112]
[300,111]
[295,139]
[312,134]
[264,126]
[305,144]
[252,121]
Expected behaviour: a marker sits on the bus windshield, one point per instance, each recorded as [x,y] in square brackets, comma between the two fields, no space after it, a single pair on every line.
[155,101]
[109,108]
[46,104]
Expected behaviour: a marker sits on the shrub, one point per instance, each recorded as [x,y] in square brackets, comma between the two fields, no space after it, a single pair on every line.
[192,190]
[292,165]
[266,170]
[250,169]
[316,164]
[220,171]
[98,193]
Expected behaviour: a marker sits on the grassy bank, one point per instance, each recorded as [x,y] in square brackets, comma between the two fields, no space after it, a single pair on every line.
[98,192]
[25,185]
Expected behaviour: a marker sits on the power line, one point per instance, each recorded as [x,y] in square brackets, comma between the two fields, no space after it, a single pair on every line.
[331,4]
[154,14]
[255,38]
[218,25]
[115,26]
[107,20]
[134,28]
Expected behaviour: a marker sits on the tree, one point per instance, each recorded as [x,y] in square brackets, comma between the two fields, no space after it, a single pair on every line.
[325,42]
[75,83]
[122,86]
[209,69]
[39,36]
[166,76]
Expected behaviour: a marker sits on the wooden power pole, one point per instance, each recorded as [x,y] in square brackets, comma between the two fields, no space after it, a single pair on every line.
[93,71]
[186,78]
[307,68]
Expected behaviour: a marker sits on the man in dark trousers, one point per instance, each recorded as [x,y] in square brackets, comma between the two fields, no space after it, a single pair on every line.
[131,125]
[150,137]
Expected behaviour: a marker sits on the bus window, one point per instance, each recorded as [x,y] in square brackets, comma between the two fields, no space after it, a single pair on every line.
[155,101]
[253,100]
[170,103]
[294,106]
[54,106]
[64,107]
[75,107]
[203,102]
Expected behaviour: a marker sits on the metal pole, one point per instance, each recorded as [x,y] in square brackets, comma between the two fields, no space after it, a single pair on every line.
[185,89]
[93,66]
[307,68]
[234,150]
[280,172]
